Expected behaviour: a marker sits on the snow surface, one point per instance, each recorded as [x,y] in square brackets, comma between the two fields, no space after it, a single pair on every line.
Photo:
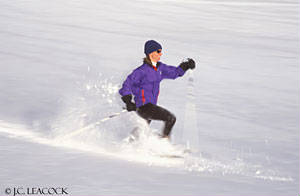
[62,63]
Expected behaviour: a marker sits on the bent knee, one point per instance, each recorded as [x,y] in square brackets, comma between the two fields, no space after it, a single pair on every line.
[172,119]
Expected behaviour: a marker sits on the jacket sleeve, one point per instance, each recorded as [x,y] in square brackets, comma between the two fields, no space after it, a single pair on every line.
[171,72]
[133,80]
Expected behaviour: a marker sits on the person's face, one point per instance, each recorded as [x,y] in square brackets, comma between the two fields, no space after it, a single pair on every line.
[155,56]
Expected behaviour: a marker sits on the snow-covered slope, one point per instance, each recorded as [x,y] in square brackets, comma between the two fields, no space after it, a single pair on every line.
[62,63]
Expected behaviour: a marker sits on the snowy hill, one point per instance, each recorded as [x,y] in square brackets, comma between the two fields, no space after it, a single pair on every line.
[63,62]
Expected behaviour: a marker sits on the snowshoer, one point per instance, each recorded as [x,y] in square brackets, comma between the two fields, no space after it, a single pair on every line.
[144,83]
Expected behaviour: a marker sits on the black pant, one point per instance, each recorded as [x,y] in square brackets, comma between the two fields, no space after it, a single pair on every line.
[153,112]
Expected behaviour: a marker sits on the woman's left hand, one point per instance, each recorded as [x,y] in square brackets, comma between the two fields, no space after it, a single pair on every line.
[188,64]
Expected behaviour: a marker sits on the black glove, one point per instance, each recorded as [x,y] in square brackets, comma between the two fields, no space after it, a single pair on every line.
[188,64]
[130,106]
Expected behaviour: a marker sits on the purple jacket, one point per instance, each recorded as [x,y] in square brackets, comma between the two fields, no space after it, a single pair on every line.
[144,82]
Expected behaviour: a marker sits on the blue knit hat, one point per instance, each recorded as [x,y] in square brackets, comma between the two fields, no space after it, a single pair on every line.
[151,46]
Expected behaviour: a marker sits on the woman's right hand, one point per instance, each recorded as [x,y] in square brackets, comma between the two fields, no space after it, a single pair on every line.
[130,106]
